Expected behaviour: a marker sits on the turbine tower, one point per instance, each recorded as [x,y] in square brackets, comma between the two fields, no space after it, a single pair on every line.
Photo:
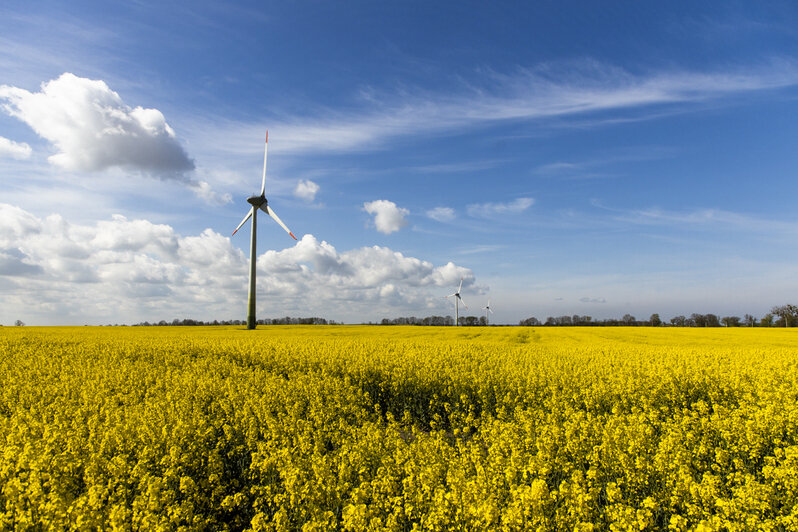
[487,309]
[457,301]
[258,202]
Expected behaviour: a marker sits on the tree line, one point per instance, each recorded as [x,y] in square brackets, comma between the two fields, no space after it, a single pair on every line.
[267,321]
[779,316]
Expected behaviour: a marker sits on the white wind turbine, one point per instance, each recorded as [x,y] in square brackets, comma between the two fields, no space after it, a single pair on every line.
[457,301]
[487,309]
[258,202]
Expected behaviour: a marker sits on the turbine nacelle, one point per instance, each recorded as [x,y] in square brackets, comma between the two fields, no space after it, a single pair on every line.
[257,201]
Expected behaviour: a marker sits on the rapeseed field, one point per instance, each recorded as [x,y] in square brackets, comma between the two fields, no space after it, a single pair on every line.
[398,428]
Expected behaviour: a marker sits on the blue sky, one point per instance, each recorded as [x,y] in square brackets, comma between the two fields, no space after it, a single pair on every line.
[563,158]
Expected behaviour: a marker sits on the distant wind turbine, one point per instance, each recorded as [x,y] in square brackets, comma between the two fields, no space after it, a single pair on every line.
[457,301]
[487,309]
[258,202]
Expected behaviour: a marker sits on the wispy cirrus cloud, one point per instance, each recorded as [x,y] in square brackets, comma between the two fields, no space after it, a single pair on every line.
[598,166]
[706,218]
[441,214]
[547,91]
[487,210]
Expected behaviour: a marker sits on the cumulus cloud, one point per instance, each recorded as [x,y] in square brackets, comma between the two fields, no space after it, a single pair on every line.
[13,263]
[487,210]
[204,191]
[93,129]
[388,217]
[124,270]
[361,274]
[14,150]
[441,214]
[306,190]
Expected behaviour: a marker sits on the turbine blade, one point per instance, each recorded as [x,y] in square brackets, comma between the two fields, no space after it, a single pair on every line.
[265,208]
[265,153]
[243,221]
[490,310]
[464,303]
[461,285]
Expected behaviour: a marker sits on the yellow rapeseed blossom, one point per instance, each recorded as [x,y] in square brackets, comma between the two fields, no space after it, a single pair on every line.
[398,428]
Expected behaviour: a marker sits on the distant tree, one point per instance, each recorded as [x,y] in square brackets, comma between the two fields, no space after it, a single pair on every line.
[749,320]
[434,320]
[679,321]
[712,320]
[731,321]
[19,323]
[787,313]
[628,319]
[767,320]
[654,320]
[699,320]
[529,322]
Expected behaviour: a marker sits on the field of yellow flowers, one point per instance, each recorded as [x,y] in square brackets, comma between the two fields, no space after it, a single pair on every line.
[398,428]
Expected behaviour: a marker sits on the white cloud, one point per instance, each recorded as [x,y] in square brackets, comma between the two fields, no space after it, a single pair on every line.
[313,267]
[441,214]
[486,210]
[306,190]
[203,190]
[704,219]
[14,150]
[93,129]
[548,91]
[388,217]
[123,270]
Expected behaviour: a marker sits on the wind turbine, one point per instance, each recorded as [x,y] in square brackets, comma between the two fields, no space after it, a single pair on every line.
[457,301]
[258,202]
[487,309]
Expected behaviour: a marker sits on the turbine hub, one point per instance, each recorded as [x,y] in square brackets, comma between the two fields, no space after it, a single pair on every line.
[257,201]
